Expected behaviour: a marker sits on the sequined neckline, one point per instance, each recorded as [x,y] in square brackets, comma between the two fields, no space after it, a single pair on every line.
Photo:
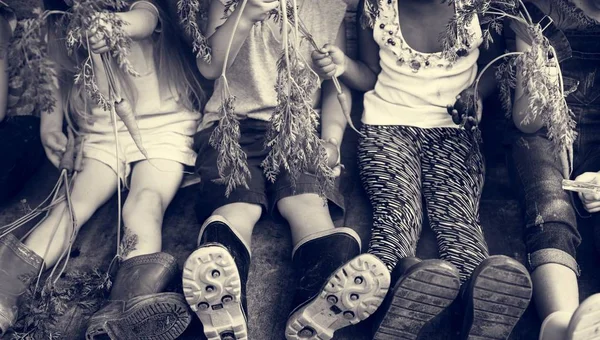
[388,21]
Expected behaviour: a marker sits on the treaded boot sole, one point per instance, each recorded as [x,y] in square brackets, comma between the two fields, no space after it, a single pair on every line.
[161,317]
[212,288]
[425,290]
[501,294]
[585,324]
[350,295]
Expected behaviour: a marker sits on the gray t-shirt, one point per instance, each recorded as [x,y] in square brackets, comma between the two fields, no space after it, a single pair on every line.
[253,74]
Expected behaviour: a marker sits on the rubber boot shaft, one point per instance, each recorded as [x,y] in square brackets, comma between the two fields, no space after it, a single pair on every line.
[143,275]
[316,259]
[219,232]
[19,266]
[138,306]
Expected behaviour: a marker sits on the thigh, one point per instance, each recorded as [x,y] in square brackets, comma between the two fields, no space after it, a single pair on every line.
[92,187]
[160,176]
[212,192]
[390,171]
[453,174]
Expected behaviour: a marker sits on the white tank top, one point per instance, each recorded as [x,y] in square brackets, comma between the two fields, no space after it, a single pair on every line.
[414,88]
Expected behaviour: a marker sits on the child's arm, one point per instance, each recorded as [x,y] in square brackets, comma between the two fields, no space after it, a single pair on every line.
[5,34]
[141,21]
[359,74]
[52,136]
[333,121]
[521,102]
[220,30]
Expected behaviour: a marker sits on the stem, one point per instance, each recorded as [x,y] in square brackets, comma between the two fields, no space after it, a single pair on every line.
[235,27]
[284,37]
[488,66]
[114,119]
[525,10]
[296,30]
[504,14]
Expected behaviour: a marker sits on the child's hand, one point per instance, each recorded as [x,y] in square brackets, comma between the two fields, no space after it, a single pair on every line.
[55,144]
[97,34]
[330,61]
[258,10]
[332,148]
[591,202]
[466,110]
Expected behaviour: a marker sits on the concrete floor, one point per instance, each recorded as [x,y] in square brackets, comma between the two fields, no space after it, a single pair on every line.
[270,282]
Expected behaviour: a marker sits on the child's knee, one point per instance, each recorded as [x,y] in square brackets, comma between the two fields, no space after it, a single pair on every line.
[145,201]
[301,205]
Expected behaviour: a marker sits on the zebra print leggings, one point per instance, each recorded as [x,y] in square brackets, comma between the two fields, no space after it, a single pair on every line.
[400,164]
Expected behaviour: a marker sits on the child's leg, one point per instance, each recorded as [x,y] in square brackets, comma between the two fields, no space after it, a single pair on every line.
[499,288]
[138,292]
[453,175]
[390,170]
[242,217]
[91,189]
[154,183]
[551,234]
[215,274]
[335,287]
[306,213]
[19,263]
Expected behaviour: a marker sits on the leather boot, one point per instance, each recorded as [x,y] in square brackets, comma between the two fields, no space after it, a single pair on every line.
[422,290]
[495,298]
[214,281]
[18,267]
[138,308]
[337,287]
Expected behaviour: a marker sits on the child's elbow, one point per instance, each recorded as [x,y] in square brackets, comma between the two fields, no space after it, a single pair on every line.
[208,70]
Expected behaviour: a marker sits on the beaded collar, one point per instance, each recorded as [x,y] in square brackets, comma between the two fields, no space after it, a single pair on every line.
[390,35]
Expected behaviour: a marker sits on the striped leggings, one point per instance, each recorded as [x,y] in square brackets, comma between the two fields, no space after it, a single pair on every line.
[401,164]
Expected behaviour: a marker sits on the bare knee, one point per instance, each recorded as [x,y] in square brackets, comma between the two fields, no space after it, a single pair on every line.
[145,202]
[300,206]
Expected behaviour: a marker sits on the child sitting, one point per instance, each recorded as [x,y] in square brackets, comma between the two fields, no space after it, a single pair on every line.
[161,98]
[551,214]
[215,275]
[412,148]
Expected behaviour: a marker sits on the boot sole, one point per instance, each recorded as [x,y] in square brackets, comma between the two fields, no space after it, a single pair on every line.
[350,295]
[585,324]
[426,289]
[164,317]
[501,293]
[212,288]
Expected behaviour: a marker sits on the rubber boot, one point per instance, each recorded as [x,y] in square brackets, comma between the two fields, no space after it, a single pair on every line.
[138,307]
[495,298]
[585,323]
[18,267]
[422,290]
[214,281]
[337,287]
